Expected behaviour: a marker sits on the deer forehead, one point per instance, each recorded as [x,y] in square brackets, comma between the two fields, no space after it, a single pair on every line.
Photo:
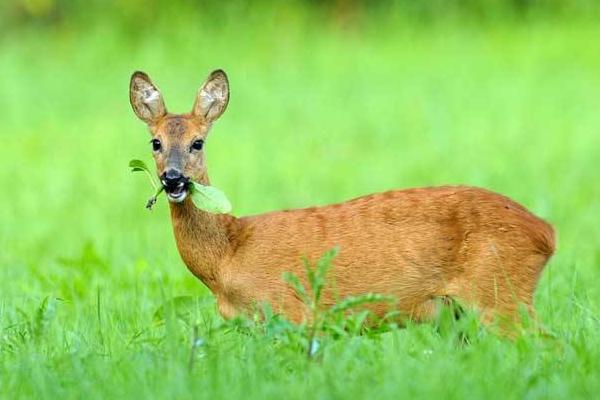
[180,128]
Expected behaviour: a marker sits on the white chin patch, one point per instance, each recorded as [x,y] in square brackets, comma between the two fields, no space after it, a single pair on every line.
[177,198]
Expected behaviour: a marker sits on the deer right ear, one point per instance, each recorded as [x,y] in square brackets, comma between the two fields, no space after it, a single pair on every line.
[145,98]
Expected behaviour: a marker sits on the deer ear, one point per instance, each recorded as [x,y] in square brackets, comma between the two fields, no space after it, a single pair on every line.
[212,97]
[145,98]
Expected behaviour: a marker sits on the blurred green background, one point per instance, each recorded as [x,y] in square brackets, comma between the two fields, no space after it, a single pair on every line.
[329,100]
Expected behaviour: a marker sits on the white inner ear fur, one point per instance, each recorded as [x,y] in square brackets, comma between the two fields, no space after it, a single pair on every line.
[151,95]
[206,102]
[213,95]
[212,98]
[145,93]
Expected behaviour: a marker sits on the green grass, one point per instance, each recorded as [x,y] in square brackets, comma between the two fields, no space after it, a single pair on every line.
[317,115]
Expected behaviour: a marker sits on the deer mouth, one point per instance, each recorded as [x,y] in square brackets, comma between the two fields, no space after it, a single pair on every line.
[178,192]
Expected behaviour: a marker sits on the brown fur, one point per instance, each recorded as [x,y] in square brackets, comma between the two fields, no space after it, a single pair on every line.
[416,245]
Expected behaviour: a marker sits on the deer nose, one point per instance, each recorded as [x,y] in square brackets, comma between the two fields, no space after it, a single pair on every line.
[172,177]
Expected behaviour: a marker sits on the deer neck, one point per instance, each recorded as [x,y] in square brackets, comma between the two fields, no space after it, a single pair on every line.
[203,240]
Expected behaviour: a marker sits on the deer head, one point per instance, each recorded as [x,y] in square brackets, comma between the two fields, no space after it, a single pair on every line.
[178,139]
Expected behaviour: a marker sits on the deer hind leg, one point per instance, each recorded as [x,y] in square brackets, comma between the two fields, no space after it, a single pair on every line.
[502,290]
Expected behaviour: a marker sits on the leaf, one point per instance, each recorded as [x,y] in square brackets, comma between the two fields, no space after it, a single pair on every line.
[317,275]
[207,198]
[138,165]
[210,199]
[350,302]
[292,280]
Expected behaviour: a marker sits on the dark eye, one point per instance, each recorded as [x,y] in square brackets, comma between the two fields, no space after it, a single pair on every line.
[198,144]
[156,144]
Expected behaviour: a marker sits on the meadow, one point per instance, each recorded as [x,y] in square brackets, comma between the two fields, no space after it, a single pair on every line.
[321,111]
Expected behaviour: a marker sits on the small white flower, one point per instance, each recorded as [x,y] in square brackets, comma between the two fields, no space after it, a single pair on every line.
[314,347]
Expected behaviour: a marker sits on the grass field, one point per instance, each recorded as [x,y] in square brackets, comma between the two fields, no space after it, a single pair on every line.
[318,114]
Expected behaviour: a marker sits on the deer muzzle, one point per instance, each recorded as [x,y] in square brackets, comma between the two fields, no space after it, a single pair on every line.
[175,184]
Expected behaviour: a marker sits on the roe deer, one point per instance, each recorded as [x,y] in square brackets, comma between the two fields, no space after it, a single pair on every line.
[416,245]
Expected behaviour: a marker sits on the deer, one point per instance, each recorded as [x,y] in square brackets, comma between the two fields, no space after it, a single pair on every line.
[417,245]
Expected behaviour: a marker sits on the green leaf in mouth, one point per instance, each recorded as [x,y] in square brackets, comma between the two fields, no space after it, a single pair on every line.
[209,199]
[206,198]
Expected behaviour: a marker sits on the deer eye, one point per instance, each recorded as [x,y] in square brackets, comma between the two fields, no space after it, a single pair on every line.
[156,145]
[198,144]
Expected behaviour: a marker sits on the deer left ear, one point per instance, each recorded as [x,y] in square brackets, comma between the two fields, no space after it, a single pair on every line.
[145,98]
[212,97]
